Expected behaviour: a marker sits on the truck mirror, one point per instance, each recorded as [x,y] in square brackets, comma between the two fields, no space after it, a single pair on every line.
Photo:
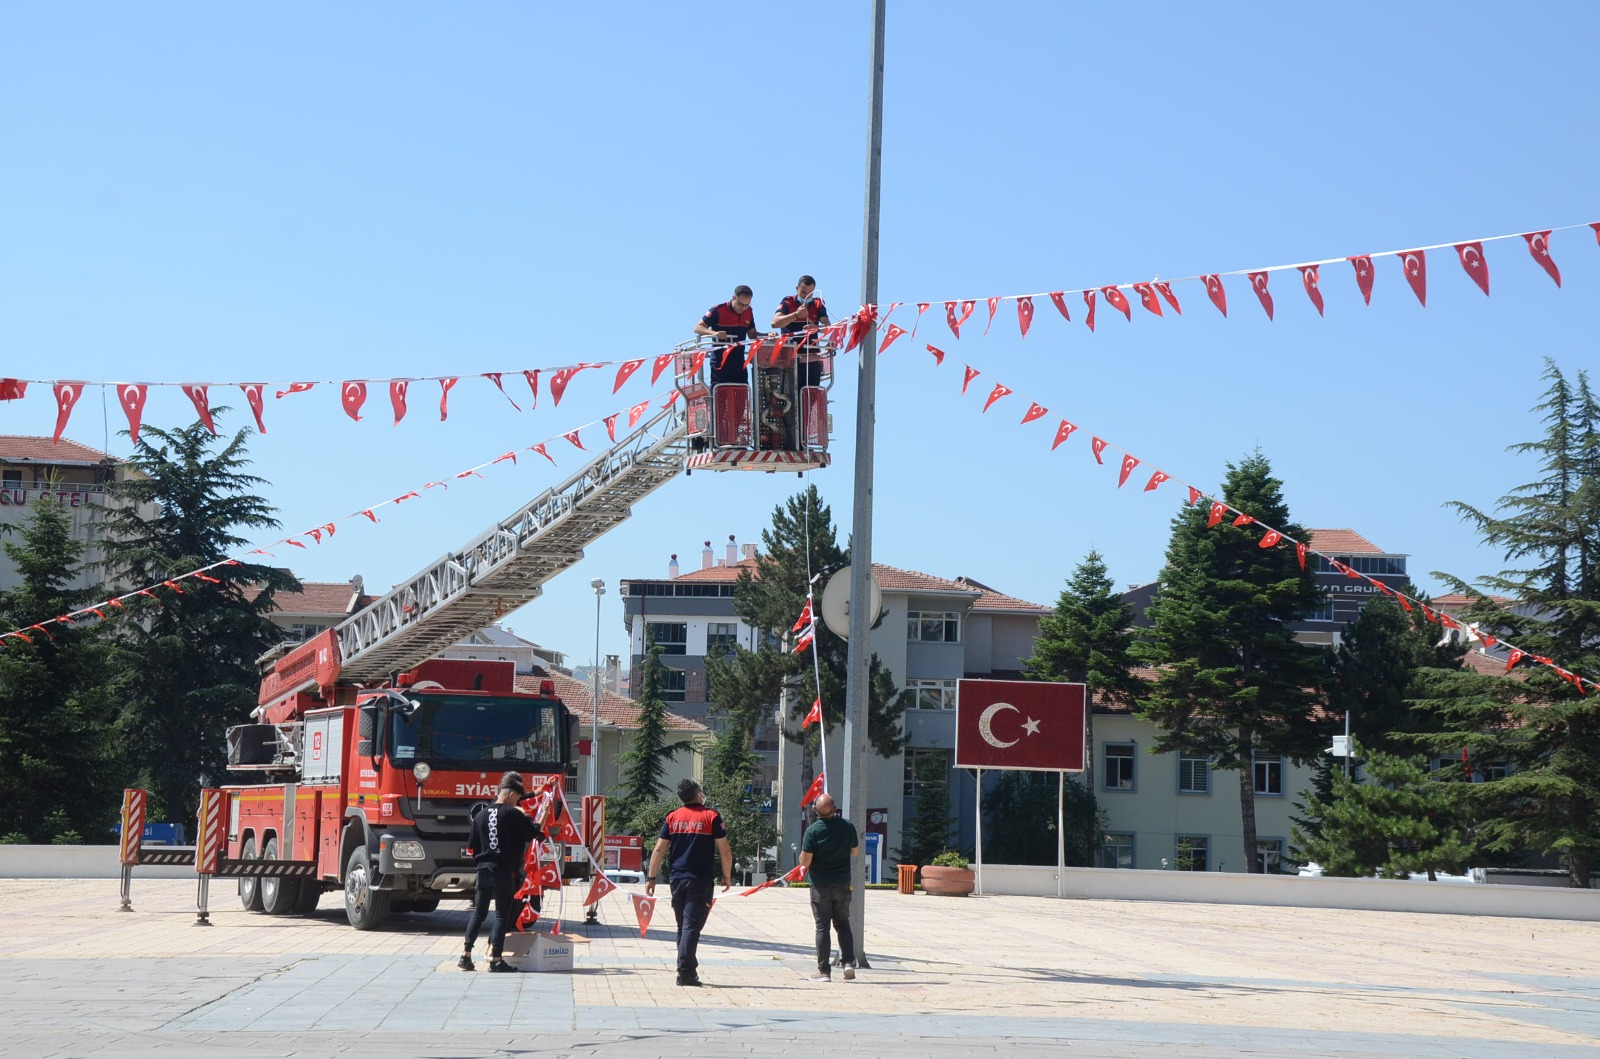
[367,732]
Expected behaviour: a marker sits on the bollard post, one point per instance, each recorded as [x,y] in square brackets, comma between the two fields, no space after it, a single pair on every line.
[127,888]
[202,900]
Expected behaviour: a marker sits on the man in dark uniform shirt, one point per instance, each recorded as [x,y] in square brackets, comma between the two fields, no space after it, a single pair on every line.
[826,849]
[499,841]
[732,321]
[804,311]
[694,836]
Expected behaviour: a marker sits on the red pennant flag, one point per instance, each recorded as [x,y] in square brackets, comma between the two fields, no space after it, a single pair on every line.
[994,303]
[316,535]
[1475,264]
[444,398]
[397,398]
[540,449]
[922,307]
[1118,301]
[966,310]
[1300,553]
[625,372]
[1147,297]
[1258,283]
[1156,480]
[1218,509]
[559,381]
[494,377]
[549,877]
[533,385]
[1060,299]
[814,791]
[805,641]
[1063,432]
[1488,641]
[1171,299]
[1309,279]
[938,354]
[353,395]
[660,366]
[1000,390]
[1035,411]
[1415,265]
[253,398]
[572,436]
[1214,291]
[1427,612]
[16,389]
[295,387]
[950,318]
[1539,247]
[794,874]
[1088,299]
[1129,462]
[67,394]
[1194,496]
[611,425]
[1517,655]
[512,456]
[972,373]
[1270,539]
[1447,621]
[196,392]
[1244,520]
[599,888]
[697,361]
[1024,315]
[1596,226]
[1363,266]
[636,411]
[131,395]
[294,542]
[814,715]
[1098,446]
[643,908]
[894,332]
[805,617]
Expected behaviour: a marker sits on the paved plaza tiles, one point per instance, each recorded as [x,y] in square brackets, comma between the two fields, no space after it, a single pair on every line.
[968,977]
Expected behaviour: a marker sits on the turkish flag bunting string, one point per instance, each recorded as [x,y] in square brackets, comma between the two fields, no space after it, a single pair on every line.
[67,394]
[397,398]
[1129,462]
[353,395]
[1472,260]
[494,377]
[625,372]
[1118,301]
[131,395]
[643,908]
[1025,313]
[1035,411]
[894,332]
[1000,390]
[1415,265]
[1147,297]
[1309,278]
[445,386]
[1539,247]
[197,393]
[813,715]
[966,380]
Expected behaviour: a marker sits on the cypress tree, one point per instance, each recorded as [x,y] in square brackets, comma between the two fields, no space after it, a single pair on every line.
[643,763]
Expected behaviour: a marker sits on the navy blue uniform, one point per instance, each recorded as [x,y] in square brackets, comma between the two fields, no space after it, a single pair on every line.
[499,844]
[693,831]
[816,315]
[738,327]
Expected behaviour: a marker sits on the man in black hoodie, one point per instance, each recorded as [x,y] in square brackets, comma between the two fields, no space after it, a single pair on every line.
[499,842]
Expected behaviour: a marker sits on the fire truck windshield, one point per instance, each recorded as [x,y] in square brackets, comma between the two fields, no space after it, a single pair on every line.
[474,731]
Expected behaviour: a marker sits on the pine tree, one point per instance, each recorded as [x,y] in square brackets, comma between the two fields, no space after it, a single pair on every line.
[62,771]
[751,832]
[1543,727]
[1375,670]
[185,664]
[1234,681]
[928,830]
[743,688]
[1399,822]
[1020,819]
[645,761]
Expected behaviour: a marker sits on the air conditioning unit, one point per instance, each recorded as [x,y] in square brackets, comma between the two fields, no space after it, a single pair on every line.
[774,788]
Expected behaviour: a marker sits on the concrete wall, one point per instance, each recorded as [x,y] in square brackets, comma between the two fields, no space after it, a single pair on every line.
[78,862]
[1231,888]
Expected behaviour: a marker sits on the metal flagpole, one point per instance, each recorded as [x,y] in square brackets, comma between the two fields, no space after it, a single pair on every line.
[979,847]
[1061,833]
[857,685]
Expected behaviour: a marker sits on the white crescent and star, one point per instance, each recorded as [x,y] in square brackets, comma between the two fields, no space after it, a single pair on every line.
[986,725]
[130,396]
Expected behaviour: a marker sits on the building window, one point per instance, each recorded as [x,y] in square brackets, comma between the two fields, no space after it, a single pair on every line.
[673,684]
[933,626]
[1268,774]
[1269,855]
[721,638]
[1494,770]
[1117,851]
[11,479]
[1119,767]
[1191,851]
[671,636]
[933,694]
[1194,773]
[914,757]
[1321,612]
[301,631]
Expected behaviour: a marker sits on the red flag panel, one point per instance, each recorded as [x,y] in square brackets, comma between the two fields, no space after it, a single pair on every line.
[1063,432]
[1309,278]
[1088,299]
[196,392]
[1258,283]
[1118,301]
[1060,300]
[1099,447]
[972,373]
[352,395]
[67,394]
[1024,315]
[1214,291]
[1147,297]
[1415,265]
[1362,263]
[1171,299]
[1539,247]
[1000,390]
[1035,411]
[397,398]
[1035,725]
[1129,462]
[1476,266]
[252,397]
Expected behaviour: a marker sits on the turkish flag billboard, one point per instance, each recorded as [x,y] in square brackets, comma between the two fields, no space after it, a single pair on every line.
[1034,725]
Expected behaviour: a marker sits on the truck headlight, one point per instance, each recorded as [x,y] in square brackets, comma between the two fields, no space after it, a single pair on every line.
[407,849]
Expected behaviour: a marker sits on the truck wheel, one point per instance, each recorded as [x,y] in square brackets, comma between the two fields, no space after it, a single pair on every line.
[249,887]
[279,896]
[310,897]
[365,907]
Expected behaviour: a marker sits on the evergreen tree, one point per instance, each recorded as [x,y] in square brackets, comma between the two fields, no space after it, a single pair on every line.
[1234,682]
[1020,819]
[1374,673]
[62,771]
[645,761]
[928,830]
[743,688]
[751,832]
[1400,822]
[1089,640]
[185,664]
[1543,727]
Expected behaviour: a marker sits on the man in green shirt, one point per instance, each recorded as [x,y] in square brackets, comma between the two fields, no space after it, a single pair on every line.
[826,850]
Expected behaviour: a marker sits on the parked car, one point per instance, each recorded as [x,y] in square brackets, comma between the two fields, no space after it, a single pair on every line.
[625,876]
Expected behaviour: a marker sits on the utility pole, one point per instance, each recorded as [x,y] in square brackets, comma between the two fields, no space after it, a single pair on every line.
[861,617]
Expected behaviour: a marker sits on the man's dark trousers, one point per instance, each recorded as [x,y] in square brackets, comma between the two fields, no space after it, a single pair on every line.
[691,902]
[831,905]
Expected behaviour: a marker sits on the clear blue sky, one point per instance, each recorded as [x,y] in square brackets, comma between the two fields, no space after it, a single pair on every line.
[311,191]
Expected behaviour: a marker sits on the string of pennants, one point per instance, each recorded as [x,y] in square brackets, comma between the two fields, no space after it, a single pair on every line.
[1152,295]
[105,609]
[1270,536]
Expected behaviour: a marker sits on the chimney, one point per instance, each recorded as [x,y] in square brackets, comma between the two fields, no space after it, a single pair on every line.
[706,557]
[672,567]
[733,551]
[748,550]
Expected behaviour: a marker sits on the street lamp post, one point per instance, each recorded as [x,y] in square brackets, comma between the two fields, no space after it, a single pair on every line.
[599,587]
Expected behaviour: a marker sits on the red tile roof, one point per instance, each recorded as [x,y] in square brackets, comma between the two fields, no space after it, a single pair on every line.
[715,573]
[894,579]
[1459,601]
[43,450]
[616,711]
[999,601]
[319,597]
[1343,542]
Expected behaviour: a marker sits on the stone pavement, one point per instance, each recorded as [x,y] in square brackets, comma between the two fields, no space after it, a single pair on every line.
[949,977]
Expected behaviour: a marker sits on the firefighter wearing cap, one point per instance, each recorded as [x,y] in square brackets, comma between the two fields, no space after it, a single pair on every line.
[501,832]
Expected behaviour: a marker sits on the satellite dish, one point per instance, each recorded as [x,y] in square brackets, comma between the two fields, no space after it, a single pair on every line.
[836,601]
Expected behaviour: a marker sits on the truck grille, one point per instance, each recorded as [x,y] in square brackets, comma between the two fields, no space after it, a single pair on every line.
[438,818]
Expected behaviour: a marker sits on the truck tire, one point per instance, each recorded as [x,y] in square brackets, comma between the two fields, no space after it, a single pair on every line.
[366,908]
[249,887]
[310,897]
[279,896]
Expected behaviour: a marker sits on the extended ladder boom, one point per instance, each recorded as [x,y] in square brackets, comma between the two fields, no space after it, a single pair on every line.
[508,565]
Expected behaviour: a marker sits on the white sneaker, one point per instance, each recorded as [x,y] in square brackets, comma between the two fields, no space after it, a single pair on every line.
[849,972]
